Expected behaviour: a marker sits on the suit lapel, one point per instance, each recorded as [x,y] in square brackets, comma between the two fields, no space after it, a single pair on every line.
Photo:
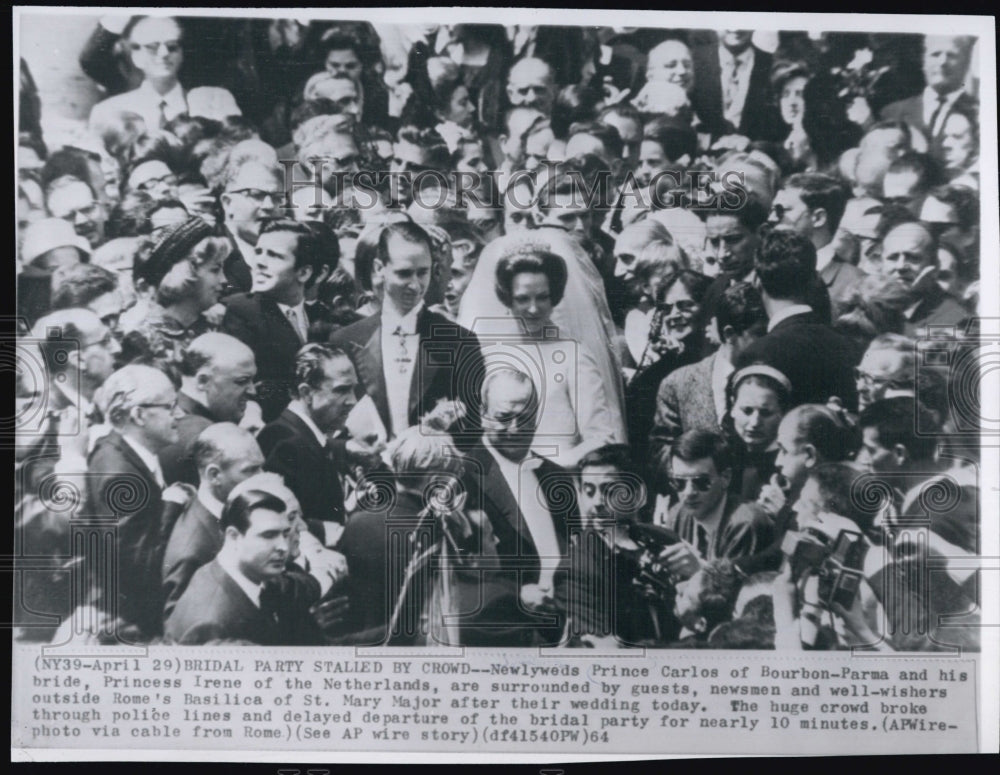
[371,370]
[126,451]
[426,369]
[275,320]
[500,500]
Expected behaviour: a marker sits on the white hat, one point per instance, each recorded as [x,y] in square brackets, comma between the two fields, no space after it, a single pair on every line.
[48,234]
[212,102]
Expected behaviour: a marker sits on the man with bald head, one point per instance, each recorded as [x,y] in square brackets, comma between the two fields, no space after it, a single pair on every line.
[125,487]
[909,254]
[530,84]
[217,383]
[252,192]
[946,64]
[225,455]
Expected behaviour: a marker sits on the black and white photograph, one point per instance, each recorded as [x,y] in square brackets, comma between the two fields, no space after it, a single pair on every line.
[665,348]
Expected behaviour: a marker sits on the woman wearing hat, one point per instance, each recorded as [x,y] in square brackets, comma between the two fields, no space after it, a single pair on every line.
[182,268]
[757,397]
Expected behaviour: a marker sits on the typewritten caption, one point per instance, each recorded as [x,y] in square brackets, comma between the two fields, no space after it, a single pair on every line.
[315,699]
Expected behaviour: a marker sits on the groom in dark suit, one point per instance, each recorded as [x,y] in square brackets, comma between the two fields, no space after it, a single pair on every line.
[408,358]
[273,319]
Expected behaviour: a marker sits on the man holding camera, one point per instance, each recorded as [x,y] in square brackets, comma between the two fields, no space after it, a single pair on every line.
[613,593]
[710,522]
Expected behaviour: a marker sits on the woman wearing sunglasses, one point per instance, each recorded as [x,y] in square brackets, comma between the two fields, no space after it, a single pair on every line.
[676,338]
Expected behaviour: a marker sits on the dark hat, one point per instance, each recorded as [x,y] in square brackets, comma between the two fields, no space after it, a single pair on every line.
[172,246]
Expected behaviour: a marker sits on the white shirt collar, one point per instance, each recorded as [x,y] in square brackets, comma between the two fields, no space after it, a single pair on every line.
[74,397]
[787,312]
[151,461]
[825,255]
[931,100]
[391,320]
[247,251]
[209,501]
[229,564]
[299,409]
[727,58]
[301,320]
[175,99]
[530,461]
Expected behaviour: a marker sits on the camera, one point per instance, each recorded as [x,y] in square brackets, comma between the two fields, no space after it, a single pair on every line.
[837,563]
[653,576]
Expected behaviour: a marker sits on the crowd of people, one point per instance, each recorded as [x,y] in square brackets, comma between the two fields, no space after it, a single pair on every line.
[354,334]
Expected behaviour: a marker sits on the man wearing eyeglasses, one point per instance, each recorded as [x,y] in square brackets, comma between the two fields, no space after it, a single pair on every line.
[126,485]
[156,50]
[711,523]
[252,192]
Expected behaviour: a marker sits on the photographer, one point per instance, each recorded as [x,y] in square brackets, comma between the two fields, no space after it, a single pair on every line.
[822,599]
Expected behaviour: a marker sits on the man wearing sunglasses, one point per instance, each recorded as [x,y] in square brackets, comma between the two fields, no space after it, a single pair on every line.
[155,47]
[812,204]
[712,523]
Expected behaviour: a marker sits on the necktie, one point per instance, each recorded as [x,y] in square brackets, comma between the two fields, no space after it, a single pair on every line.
[702,536]
[293,318]
[733,85]
[403,355]
[933,126]
[163,113]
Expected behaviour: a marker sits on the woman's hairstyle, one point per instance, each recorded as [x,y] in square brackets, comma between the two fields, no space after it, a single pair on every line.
[784,71]
[659,255]
[875,306]
[763,376]
[179,280]
[695,283]
[530,260]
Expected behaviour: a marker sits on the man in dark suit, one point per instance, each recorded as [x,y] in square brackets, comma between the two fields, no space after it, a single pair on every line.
[909,254]
[273,319]
[525,497]
[408,358]
[217,382]
[812,204]
[732,87]
[126,485]
[297,444]
[946,64]
[225,455]
[223,599]
[817,361]
[252,191]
